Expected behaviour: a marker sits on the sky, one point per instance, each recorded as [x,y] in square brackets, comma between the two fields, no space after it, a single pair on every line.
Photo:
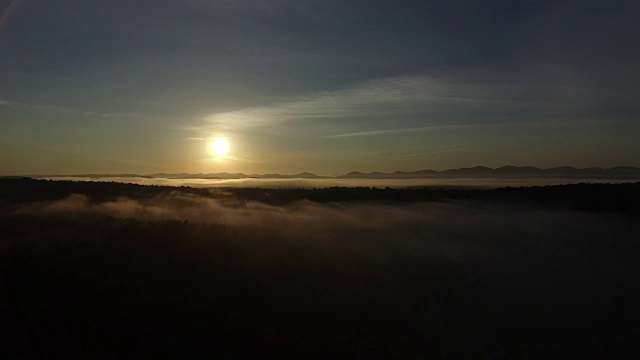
[328,87]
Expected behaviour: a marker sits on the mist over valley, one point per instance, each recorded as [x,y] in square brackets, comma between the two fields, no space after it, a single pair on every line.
[125,270]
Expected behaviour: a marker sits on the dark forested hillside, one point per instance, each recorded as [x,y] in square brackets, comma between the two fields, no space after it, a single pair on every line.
[106,270]
[621,198]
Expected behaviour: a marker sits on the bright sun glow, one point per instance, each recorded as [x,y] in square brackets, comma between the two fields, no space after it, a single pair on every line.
[220,146]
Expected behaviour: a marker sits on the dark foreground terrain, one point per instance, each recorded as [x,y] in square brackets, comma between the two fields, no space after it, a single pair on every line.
[107,270]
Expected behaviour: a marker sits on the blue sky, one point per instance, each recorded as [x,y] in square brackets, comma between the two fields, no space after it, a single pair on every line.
[322,86]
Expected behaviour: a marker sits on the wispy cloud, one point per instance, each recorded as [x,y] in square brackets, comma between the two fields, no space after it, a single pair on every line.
[71,110]
[398,97]
[407,130]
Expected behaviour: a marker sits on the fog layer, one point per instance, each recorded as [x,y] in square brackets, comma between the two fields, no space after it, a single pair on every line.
[307,280]
[320,183]
[463,227]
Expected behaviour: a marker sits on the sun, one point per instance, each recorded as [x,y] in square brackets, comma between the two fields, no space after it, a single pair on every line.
[220,147]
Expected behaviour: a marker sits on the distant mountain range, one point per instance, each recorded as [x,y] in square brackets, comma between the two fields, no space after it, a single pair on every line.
[564,172]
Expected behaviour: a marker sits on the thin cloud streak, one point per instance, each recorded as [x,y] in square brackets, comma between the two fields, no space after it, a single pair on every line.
[70,110]
[405,130]
[417,95]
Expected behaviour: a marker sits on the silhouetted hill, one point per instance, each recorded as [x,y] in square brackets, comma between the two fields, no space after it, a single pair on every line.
[352,175]
[519,170]
[618,198]
[564,172]
[308,175]
[26,190]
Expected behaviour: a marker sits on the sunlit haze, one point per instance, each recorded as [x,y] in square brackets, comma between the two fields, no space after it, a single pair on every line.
[207,86]
[220,147]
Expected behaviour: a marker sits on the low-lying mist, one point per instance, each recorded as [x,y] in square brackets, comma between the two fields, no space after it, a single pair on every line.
[328,182]
[458,222]
[194,275]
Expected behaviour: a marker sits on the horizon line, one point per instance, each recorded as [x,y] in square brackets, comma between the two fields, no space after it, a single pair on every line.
[477,167]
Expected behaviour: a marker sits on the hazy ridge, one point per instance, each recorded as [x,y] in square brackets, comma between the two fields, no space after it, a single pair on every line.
[566,172]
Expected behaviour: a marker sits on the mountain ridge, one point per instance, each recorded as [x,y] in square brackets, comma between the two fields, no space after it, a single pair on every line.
[508,171]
